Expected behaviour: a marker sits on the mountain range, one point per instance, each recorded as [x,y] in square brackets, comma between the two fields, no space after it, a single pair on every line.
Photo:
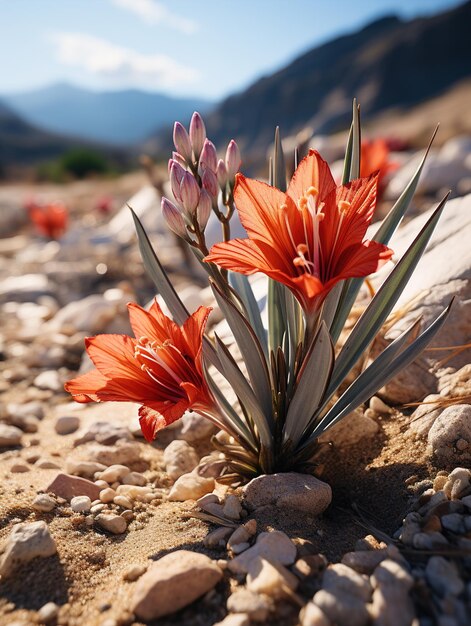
[111,117]
[389,66]
[409,74]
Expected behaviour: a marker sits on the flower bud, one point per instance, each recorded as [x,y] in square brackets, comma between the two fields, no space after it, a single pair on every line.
[233,159]
[176,173]
[210,183]
[208,157]
[190,193]
[203,211]
[179,159]
[173,218]
[197,133]
[221,172]
[182,141]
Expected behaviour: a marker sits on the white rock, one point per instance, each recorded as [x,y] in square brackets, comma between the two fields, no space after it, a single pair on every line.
[339,578]
[344,609]
[443,576]
[236,619]
[179,458]
[26,288]
[391,605]
[350,430]
[452,425]
[107,495]
[243,533]
[26,542]
[123,502]
[274,546]
[133,572]
[432,287]
[122,453]
[86,469]
[173,582]
[48,612]
[390,572]
[66,424]
[91,314]
[217,538]
[135,492]
[10,435]
[270,578]
[424,416]
[43,502]
[134,478]
[311,615]
[190,487]
[232,507]
[112,523]
[255,605]
[289,490]
[105,432]
[113,473]
[195,427]
[49,379]
[379,407]
[458,481]
[81,504]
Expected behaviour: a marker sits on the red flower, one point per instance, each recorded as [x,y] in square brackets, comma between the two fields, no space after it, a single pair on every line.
[375,158]
[51,220]
[309,238]
[161,369]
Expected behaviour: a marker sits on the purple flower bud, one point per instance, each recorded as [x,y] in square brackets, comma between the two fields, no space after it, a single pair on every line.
[233,159]
[179,159]
[173,218]
[221,172]
[203,211]
[190,193]
[182,141]
[197,133]
[208,157]
[176,173]
[210,183]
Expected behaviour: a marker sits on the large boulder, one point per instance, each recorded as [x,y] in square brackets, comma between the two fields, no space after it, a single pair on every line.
[443,273]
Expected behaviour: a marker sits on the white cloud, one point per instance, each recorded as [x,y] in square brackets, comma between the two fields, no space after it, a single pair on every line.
[121,65]
[153,12]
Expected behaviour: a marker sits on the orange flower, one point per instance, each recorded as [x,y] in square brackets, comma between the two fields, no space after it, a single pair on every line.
[51,220]
[161,369]
[375,158]
[309,238]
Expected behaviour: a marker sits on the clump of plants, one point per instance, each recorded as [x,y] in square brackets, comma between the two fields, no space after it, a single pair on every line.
[308,237]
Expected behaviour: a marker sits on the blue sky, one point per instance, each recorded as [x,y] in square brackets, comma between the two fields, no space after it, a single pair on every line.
[208,48]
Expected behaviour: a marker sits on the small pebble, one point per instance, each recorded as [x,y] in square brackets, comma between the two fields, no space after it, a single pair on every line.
[81,504]
[107,495]
[46,464]
[48,613]
[123,501]
[44,503]
[67,424]
[232,507]
[112,523]
[133,572]
[19,468]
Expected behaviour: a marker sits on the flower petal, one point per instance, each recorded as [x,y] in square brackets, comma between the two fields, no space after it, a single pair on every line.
[193,330]
[155,416]
[362,259]
[258,206]
[152,323]
[313,171]
[84,387]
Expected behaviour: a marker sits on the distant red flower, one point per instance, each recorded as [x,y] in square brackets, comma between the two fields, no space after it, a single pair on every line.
[308,238]
[161,368]
[375,158]
[104,204]
[51,220]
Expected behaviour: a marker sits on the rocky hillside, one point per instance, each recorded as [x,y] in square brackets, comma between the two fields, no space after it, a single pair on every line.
[391,66]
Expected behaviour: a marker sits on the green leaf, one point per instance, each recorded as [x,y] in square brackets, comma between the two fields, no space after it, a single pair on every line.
[383,235]
[157,274]
[356,143]
[242,389]
[160,279]
[276,315]
[279,166]
[242,286]
[380,372]
[251,351]
[313,379]
[382,304]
